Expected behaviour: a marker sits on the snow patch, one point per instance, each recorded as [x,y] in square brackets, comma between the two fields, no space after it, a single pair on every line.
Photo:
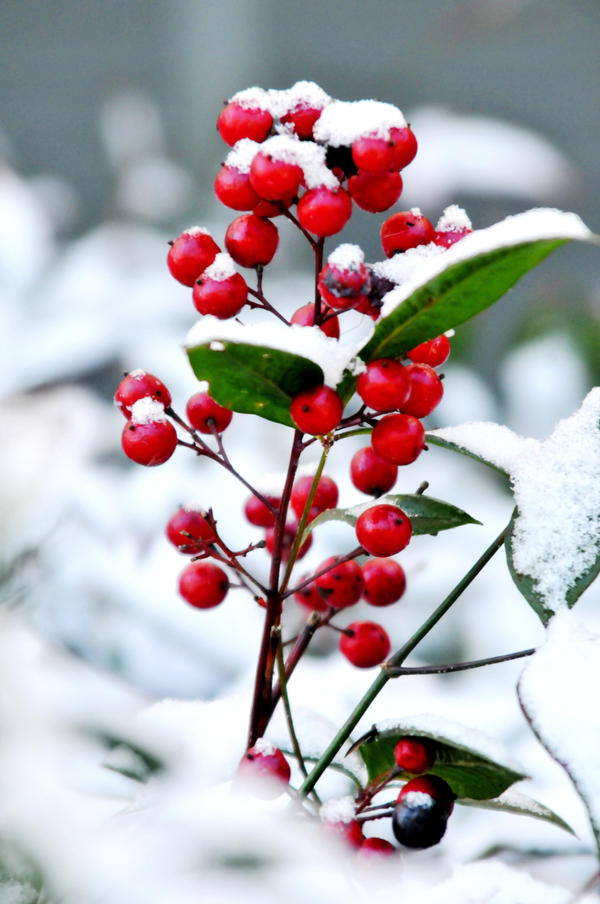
[242,154]
[222,268]
[347,257]
[342,122]
[338,809]
[454,218]
[146,411]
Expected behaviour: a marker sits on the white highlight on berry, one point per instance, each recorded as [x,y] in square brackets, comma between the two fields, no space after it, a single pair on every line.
[347,257]
[147,411]
[338,809]
[454,218]
[342,122]
[242,154]
[222,268]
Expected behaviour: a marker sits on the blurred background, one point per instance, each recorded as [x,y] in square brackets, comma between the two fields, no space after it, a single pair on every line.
[108,148]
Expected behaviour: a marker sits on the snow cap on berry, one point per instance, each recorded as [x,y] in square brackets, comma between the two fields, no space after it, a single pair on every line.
[242,154]
[342,122]
[222,268]
[196,230]
[146,411]
[347,257]
[338,809]
[454,218]
[417,798]
[302,94]
[310,157]
[402,267]
[264,747]
[252,99]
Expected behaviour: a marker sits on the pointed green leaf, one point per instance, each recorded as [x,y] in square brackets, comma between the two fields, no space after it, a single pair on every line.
[254,379]
[522,805]
[473,765]
[427,515]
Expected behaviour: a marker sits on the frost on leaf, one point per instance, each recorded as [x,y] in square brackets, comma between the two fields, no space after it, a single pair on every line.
[558,692]
[554,545]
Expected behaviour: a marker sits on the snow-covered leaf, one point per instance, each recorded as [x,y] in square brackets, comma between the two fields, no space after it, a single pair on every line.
[474,765]
[521,805]
[553,547]
[437,440]
[558,692]
[427,515]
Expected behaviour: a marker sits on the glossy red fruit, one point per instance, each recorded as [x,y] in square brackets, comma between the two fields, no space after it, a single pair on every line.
[305,316]
[317,411]
[434,352]
[274,179]
[201,410]
[376,847]
[435,787]
[426,390]
[342,585]
[375,192]
[449,237]
[385,581]
[140,385]
[190,254]
[414,755]
[302,119]
[150,443]
[324,211]
[372,154]
[384,385]
[237,121]
[344,286]
[289,536]
[233,189]
[189,531]
[404,147]
[223,298]
[310,598]
[405,230]
[271,209]
[383,530]
[349,832]
[326,495]
[367,644]
[251,241]
[203,585]
[370,473]
[265,761]
[398,438]
[258,513]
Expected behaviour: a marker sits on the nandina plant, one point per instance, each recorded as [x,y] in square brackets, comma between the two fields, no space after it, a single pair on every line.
[362,358]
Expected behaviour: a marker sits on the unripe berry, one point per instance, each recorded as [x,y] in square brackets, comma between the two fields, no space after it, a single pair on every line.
[385,581]
[418,821]
[258,513]
[342,585]
[189,531]
[251,241]
[203,585]
[426,390]
[324,211]
[140,385]
[414,755]
[405,230]
[274,179]
[266,762]
[434,352]
[190,254]
[237,121]
[383,530]
[201,410]
[384,385]
[375,192]
[365,644]
[148,438]
[370,473]
[305,316]
[326,495]
[317,411]
[398,438]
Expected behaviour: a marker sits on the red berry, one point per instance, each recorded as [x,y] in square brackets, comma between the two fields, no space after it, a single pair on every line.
[233,189]
[375,192]
[370,473]
[433,353]
[404,147]
[373,155]
[385,581]
[258,513]
[449,237]
[264,761]
[398,438]
[405,230]
[310,598]
[383,530]
[324,211]
[376,847]
[271,208]
[190,254]
[342,585]
[251,241]
[326,495]
[452,226]
[140,385]
[237,121]
[344,286]
[302,119]
[426,390]
[414,755]
[289,535]
[366,646]
[223,297]
[350,832]
[149,439]
[317,411]
[203,585]
[435,787]
[189,531]
[201,410]
[274,179]
[384,384]
[305,316]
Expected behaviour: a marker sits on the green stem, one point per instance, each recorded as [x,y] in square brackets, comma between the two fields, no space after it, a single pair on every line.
[396,660]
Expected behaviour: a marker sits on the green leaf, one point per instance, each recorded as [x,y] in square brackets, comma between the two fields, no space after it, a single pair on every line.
[469,769]
[427,515]
[521,805]
[254,379]
[462,450]
[130,759]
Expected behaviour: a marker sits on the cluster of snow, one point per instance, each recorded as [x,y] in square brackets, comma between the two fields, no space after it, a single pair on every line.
[310,157]
[342,122]
[347,257]
[147,411]
[453,218]
[338,810]
[302,94]
[222,268]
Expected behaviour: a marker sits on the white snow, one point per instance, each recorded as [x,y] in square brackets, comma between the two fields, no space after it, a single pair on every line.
[303,94]
[342,122]
[264,747]
[310,157]
[196,230]
[453,218]
[558,690]
[405,267]
[532,225]
[417,799]
[222,268]
[242,154]
[333,356]
[347,257]
[252,99]
[146,411]
[340,809]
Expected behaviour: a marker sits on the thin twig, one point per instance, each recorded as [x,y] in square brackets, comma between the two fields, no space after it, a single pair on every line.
[397,671]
